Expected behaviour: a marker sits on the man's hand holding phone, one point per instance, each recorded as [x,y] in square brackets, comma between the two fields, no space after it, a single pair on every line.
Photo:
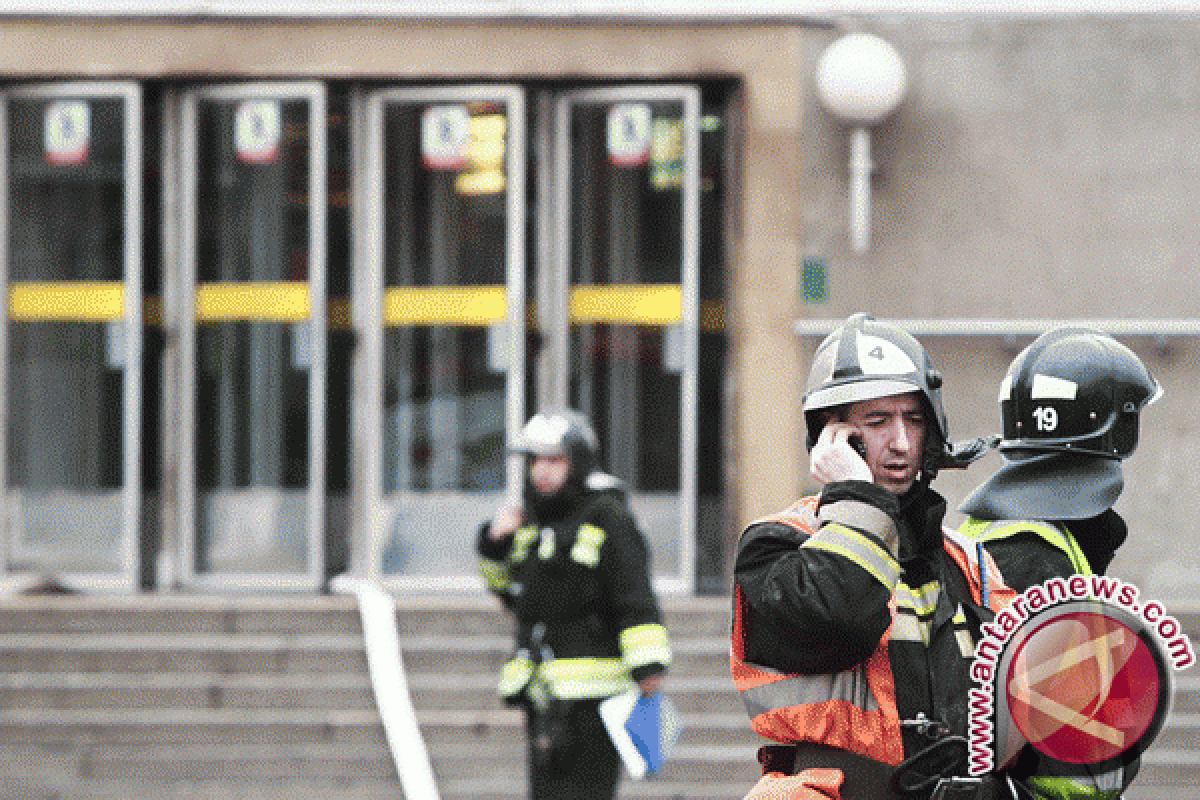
[835,456]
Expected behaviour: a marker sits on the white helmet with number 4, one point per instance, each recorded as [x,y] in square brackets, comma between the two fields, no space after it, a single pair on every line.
[864,359]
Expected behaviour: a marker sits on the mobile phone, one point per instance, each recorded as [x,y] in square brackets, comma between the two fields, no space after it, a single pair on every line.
[856,442]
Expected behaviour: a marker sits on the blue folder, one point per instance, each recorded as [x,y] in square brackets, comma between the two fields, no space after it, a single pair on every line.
[644,729]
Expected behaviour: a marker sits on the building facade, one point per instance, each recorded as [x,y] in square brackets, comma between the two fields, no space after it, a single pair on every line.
[283,282]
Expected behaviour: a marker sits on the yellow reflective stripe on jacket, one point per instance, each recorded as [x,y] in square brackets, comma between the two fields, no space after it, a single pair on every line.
[567,678]
[522,539]
[913,621]
[922,600]
[962,634]
[1047,787]
[851,544]
[495,574]
[588,540]
[645,644]
[990,531]
[514,676]
[575,678]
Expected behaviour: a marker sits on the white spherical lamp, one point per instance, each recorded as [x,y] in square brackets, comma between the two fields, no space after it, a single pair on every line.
[860,79]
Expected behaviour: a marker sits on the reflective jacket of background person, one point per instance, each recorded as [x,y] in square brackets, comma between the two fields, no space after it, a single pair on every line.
[854,654]
[578,569]
[1069,406]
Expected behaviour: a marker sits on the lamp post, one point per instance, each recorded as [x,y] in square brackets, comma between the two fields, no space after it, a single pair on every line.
[860,79]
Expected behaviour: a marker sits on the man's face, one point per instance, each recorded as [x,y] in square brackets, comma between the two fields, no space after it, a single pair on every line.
[893,431]
[548,473]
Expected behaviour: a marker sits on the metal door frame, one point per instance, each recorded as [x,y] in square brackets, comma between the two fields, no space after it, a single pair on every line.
[131,320]
[182,297]
[554,288]
[370,527]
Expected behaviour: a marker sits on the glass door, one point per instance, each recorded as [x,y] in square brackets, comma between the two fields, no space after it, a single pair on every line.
[251,314]
[439,308]
[71,266]
[621,301]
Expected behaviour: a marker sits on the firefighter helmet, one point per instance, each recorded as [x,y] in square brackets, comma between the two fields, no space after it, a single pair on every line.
[1075,390]
[565,433]
[864,359]
[1069,404]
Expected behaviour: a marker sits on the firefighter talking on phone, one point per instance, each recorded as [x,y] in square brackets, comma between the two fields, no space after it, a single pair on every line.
[855,613]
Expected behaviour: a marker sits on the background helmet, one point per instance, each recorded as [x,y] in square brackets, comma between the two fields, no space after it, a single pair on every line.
[566,432]
[865,359]
[1075,390]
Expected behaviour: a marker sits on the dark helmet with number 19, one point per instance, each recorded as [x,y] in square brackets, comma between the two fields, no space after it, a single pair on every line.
[1075,390]
[1070,405]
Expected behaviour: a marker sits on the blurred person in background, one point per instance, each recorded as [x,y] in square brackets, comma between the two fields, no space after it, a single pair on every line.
[571,564]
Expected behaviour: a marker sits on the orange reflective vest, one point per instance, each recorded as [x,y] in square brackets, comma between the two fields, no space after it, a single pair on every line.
[854,710]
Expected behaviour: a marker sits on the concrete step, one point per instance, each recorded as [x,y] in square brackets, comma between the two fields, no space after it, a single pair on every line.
[1186,699]
[476,788]
[1175,768]
[302,653]
[185,690]
[179,652]
[491,731]
[167,698]
[454,615]
[182,613]
[166,727]
[269,758]
[1179,731]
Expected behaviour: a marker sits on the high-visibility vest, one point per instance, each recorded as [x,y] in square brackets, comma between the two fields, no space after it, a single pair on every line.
[854,710]
[1093,785]
[984,530]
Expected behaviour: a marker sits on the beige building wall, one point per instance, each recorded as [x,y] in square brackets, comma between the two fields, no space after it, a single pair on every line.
[1042,167]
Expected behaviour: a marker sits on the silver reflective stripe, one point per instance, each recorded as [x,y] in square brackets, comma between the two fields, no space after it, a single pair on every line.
[863,516]
[907,628]
[913,621]
[923,600]
[966,647]
[1111,781]
[853,545]
[850,686]
[961,633]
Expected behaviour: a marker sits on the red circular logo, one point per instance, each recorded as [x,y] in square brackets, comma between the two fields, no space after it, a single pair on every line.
[1085,687]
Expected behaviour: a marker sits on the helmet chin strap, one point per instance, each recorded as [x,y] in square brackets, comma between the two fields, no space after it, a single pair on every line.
[915,492]
[930,461]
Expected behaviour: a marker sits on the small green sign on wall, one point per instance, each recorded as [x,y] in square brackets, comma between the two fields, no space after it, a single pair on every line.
[815,289]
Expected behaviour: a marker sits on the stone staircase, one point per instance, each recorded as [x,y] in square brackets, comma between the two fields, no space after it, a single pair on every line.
[174,697]
[158,696]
